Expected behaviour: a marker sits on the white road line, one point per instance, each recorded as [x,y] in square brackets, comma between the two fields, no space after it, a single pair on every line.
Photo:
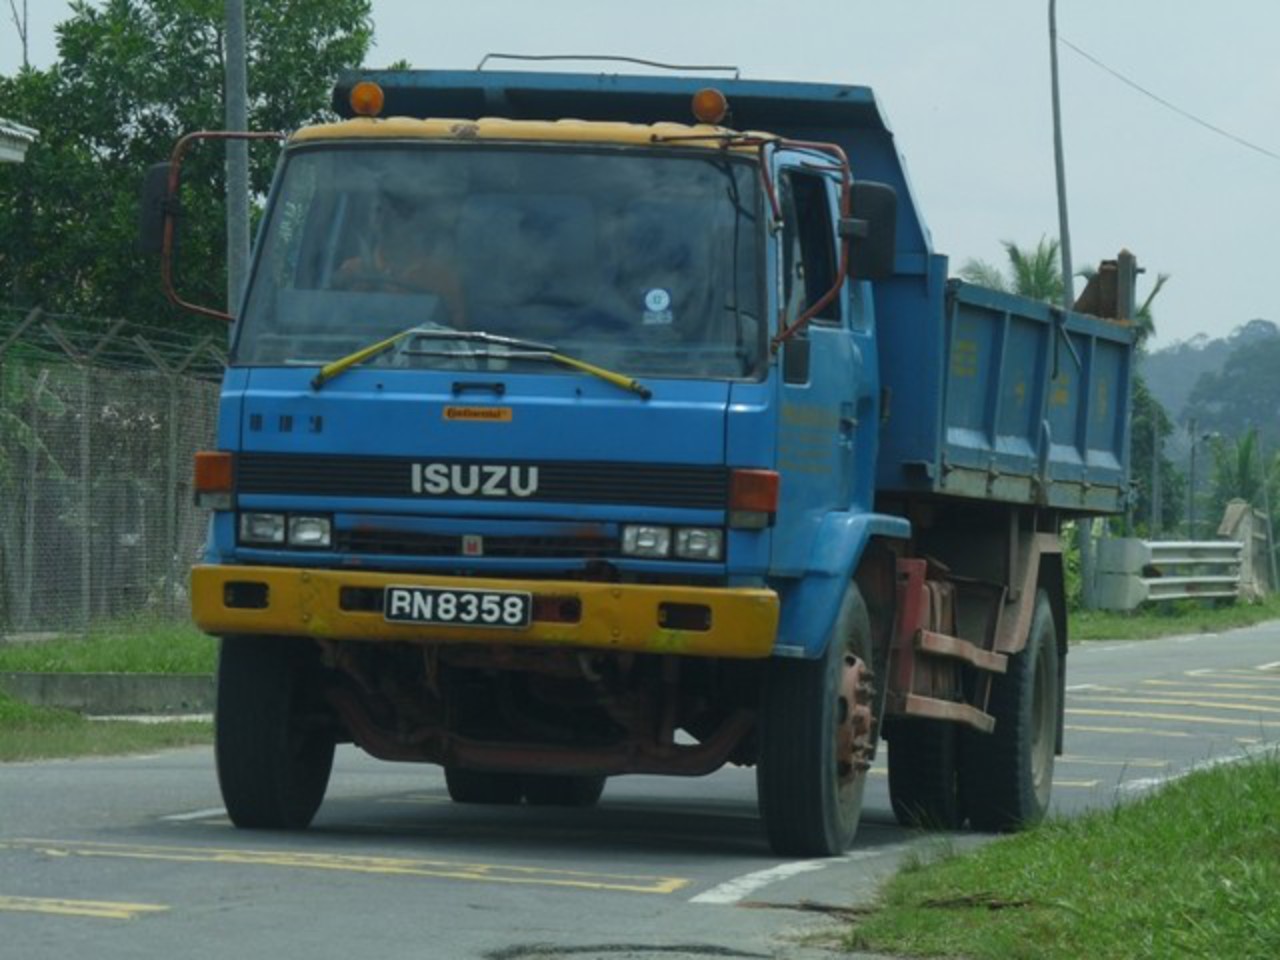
[197,815]
[1151,783]
[1269,666]
[732,891]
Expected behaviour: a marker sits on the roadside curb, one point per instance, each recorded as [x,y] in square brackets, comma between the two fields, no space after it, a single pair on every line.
[113,693]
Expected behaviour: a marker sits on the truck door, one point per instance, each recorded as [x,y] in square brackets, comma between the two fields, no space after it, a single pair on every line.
[817,399]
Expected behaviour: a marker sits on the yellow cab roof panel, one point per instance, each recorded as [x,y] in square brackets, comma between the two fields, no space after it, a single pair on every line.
[544,131]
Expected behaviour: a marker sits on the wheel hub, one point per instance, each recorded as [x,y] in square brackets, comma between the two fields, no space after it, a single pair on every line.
[855,719]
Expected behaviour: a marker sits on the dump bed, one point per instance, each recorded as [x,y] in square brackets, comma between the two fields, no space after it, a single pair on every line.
[988,395]
[1021,402]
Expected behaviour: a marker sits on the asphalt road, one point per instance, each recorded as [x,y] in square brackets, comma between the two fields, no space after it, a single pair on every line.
[133,857]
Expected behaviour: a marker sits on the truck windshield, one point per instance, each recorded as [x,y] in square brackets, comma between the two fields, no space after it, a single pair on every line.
[643,262]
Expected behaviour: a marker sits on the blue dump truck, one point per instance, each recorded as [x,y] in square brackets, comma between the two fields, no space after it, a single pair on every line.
[585,425]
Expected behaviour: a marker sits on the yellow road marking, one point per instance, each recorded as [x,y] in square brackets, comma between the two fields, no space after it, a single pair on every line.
[97,909]
[1194,689]
[1099,762]
[348,863]
[1180,717]
[1142,731]
[1179,702]
[1232,674]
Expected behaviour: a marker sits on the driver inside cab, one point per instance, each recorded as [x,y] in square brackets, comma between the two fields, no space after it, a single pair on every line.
[409,249]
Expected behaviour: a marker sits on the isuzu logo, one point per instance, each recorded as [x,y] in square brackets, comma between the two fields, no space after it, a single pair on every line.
[474,480]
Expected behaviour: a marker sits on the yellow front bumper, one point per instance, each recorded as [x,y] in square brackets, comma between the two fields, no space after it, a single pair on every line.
[614,616]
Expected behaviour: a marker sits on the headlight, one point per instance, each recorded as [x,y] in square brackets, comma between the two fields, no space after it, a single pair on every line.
[310,532]
[699,543]
[262,528]
[646,541]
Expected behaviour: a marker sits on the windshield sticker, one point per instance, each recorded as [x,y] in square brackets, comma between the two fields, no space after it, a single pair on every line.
[657,308]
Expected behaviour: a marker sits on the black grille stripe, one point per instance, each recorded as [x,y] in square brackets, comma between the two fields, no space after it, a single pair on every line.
[705,488]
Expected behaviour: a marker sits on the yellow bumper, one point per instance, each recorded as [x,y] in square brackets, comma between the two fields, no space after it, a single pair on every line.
[613,616]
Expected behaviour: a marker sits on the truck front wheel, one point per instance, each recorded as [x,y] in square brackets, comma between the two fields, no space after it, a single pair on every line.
[1006,776]
[273,740]
[817,734]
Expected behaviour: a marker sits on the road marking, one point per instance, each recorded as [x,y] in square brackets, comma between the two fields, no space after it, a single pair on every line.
[1075,688]
[206,814]
[732,891]
[1142,731]
[1234,674]
[97,909]
[1178,717]
[1202,687]
[1137,786]
[1139,762]
[1081,784]
[1172,701]
[1269,667]
[349,863]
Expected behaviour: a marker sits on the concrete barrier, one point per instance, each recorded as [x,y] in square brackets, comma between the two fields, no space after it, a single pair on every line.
[113,694]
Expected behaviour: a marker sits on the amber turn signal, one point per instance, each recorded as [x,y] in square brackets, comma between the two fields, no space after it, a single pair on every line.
[213,479]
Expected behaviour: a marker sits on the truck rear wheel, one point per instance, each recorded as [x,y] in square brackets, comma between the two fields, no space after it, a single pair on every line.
[273,742]
[481,786]
[552,790]
[817,732]
[923,784]
[1007,775]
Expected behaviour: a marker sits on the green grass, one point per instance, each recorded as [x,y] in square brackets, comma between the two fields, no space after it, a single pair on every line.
[129,646]
[1192,871]
[33,733]
[1171,619]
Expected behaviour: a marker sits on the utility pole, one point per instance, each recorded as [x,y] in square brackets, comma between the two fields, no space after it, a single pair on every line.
[1191,484]
[1156,506]
[237,118]
[1084,528]
[22,22]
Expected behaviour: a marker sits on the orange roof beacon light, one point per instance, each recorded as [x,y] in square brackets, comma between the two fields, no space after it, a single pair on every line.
[710,106]
[367,99]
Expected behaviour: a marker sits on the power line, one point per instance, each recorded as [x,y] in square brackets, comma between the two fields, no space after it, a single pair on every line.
[1165,103]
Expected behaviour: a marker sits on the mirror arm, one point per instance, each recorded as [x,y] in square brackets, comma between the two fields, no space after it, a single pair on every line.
[170,209]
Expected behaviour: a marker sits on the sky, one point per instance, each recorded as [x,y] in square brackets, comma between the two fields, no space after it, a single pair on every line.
[966,88]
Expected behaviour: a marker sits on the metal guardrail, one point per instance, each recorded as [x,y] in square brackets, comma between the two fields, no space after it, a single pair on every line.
[1131,572]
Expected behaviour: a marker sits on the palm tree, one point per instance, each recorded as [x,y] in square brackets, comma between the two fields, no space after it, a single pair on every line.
[1034,273]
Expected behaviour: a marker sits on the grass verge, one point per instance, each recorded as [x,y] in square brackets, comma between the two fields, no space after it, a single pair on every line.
[34,733]
[1171,619]
[128,646]
[1192,871]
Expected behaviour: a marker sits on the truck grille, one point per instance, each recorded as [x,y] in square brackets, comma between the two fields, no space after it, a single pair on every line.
[400,543]
[694,487]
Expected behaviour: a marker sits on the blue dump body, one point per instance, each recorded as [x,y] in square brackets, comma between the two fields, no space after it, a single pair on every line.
[986,395]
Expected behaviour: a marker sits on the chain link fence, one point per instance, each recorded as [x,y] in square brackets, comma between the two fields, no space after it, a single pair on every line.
[98,423]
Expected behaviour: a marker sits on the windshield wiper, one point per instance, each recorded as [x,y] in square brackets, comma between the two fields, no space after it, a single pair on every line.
[514,348]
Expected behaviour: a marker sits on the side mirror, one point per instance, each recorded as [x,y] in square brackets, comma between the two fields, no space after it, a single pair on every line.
[871,231]
[156,205]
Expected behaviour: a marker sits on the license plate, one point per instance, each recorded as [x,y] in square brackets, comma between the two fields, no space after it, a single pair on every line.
[465,608]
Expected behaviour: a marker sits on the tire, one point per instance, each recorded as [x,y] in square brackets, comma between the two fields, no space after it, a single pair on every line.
[478,786]
[272,742]
[810,712]
[924,787]
[552,790]
[1007,775]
